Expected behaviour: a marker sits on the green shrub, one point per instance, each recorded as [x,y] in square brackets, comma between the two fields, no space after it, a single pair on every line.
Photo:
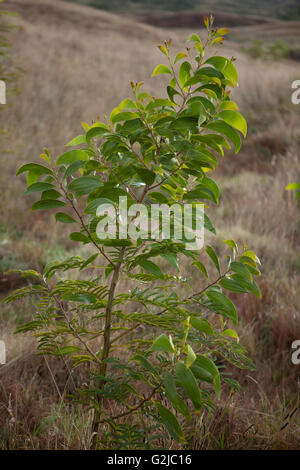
[274,51]
[156,351]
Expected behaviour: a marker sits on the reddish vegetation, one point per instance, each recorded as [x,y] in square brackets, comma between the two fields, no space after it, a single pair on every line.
[194,20]
[10,281]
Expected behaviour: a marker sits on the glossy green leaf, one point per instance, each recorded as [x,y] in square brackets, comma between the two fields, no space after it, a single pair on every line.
[96,131]
[171,423]
[38,187]
[210,368]
[212,254]
[79,140]
[225,66]
[35,168]
[189,384]
[202,325]
[235,120]
[163,343]
[79,237]
[151,268]
[161,69]
[172,394]
[190,356]
[222,305]
[225,129]
[47,204]
[64,218]
[85,185]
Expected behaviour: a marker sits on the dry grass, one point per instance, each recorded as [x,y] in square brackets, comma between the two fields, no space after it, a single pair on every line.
[77,65]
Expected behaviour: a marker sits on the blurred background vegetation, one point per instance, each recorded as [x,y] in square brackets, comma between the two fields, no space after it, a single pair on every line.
[285,10]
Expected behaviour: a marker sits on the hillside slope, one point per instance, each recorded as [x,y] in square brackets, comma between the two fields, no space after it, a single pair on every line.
[283,9]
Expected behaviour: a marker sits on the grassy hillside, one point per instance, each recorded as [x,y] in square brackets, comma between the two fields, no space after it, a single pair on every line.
[283,9]
[77,65]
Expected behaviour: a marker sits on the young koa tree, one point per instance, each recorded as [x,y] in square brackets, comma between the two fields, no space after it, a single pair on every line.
[154,349]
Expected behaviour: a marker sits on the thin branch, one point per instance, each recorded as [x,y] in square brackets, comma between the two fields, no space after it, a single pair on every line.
[135,408]
[84,225]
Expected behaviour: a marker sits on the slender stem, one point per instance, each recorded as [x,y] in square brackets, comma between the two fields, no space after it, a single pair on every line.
[135,408]
[107,344]
[83,224]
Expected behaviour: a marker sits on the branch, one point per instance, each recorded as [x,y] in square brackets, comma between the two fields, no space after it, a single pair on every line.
[135,408]
[83,224]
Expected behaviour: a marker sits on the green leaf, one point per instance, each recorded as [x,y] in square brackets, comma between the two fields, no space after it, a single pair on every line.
[172,92]
[231,333]
[151,268]
[225,66]
[171,423]
[209,366]
[248,285]
[193,38]
[96,131]
[124,116]
[93,205]
[208,225]
[89,261]
[176,400]
[189,384]
[38,187]
[212,254]
[84,298]
[65,351]
[35,168]
[79,237]
[85,185]
[184,124]
[171,258]
[190,357]
[232,245]
[72,156]
[184,73]
[147,176]
[223,128]
[158,197]
[179,56]
[222,305]
[241,269]
[232,285]
[234,119]
[201,267]
[51,194]
[163,343]
[79,140]
[293,187]
[73,168]
[47,204]
[64,218]
[202,325]
[159,102]
[161,69]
